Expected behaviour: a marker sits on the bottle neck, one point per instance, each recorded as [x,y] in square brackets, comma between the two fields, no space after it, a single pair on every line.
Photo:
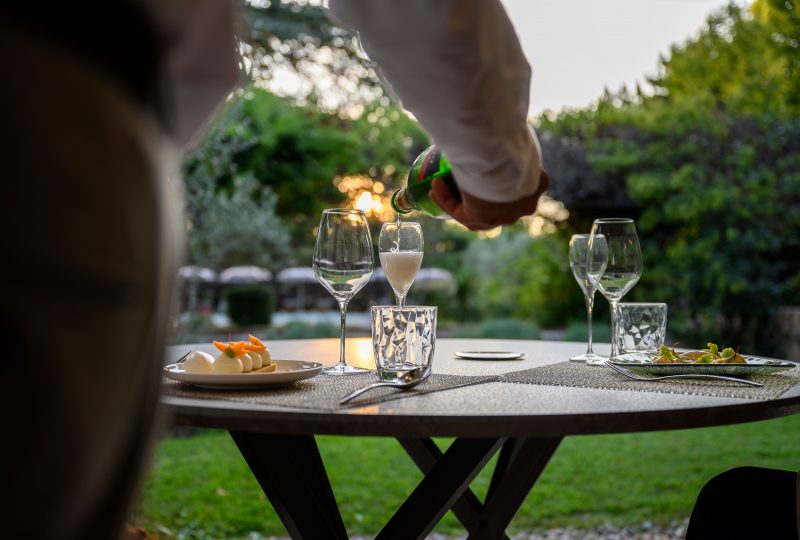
[401,201]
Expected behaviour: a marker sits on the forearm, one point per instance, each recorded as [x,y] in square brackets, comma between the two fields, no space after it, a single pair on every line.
[458,66]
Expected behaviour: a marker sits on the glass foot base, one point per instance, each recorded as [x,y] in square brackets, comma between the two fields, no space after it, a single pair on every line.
[343,369]
[589,358]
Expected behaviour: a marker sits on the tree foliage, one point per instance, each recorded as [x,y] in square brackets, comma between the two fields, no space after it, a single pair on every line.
[712,160]
[279,161]
[294,49]
[521,276]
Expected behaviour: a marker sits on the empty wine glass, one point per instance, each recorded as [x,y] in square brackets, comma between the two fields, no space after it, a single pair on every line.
[614,264]
[343,265]
[400,250]
[578,255]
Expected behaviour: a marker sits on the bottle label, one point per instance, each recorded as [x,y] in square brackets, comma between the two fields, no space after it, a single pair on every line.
[427,166]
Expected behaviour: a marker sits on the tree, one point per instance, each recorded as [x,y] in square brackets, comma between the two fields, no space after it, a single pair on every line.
[745,61]
[712,162]
[296,155]
[231,218]
[294,49]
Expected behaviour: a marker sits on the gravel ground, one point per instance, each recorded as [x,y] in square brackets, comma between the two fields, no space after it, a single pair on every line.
[645,531]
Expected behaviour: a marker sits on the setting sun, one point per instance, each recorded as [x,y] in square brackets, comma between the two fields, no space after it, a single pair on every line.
[370,196]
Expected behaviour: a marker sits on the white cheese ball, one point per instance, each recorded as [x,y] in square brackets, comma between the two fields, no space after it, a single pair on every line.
[198,362]
[258,363]
[247,362]
[263,356]
[225,364]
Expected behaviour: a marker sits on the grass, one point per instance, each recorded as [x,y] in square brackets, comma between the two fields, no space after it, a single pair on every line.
[200,487]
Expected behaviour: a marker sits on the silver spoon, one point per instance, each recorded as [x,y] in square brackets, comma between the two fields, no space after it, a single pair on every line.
[632,375]
[405,380]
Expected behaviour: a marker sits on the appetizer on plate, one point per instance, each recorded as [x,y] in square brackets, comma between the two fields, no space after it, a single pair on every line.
[234,357]
[710,355]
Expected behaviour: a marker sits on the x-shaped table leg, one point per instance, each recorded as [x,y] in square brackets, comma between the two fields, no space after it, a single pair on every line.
[292,475]
[519,465]
[441,487]
[299,490]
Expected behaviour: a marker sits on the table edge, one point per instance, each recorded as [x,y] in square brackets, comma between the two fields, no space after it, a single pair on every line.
[293,421]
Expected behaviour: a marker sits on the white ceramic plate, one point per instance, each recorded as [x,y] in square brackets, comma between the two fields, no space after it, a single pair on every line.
[489,355]
[288,371]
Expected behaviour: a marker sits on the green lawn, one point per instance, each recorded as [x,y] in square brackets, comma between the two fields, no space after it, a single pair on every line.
[200,486]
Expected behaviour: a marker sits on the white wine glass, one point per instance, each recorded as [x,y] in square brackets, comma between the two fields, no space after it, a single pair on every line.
[614,264]
[578,256]
[400,246]
[343,265]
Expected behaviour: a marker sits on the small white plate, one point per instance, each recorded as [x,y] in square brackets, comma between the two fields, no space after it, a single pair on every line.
[287,372]
[489,355]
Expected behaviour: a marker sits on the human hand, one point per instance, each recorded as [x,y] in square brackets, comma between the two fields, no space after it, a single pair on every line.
[479,214]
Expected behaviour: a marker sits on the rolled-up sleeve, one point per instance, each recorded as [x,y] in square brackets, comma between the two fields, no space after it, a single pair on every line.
[457,65]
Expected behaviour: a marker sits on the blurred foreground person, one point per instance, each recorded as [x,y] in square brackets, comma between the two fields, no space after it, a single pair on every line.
[96,106]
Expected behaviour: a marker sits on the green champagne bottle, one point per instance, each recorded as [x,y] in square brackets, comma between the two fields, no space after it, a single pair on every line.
[430,164]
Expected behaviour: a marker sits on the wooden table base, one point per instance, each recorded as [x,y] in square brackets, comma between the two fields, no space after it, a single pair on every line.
[290,470]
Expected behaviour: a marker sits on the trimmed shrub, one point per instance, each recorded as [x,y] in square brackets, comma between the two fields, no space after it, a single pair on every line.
[250,304]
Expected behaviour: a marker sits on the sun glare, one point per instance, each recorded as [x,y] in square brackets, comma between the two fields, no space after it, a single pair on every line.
[364,201]
[366,194]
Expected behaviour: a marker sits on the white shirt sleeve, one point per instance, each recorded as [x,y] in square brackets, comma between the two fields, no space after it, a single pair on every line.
[457,65]
[199,68]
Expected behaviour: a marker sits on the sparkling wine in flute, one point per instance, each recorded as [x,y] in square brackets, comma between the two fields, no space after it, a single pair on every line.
[401,268]
[400,247]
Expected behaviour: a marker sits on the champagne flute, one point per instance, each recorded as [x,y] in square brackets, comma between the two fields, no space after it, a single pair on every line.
[343,265]
[400,250]
[614,265]
[578,254]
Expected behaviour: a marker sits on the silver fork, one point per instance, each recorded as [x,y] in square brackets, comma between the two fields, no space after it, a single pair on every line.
[632,375]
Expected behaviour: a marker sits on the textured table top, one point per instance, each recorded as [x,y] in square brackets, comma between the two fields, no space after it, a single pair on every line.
[485,410]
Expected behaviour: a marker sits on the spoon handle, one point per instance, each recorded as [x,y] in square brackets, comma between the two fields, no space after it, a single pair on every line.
[360,391]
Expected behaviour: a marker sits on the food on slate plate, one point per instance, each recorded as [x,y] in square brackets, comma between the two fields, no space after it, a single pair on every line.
[234,357]
[711,355]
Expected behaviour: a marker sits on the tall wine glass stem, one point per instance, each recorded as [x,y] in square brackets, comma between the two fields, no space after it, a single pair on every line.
[401,300]
[343,316]
[613,304]
[589,304]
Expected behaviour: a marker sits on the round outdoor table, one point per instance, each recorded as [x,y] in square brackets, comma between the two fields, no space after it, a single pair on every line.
[526,422]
